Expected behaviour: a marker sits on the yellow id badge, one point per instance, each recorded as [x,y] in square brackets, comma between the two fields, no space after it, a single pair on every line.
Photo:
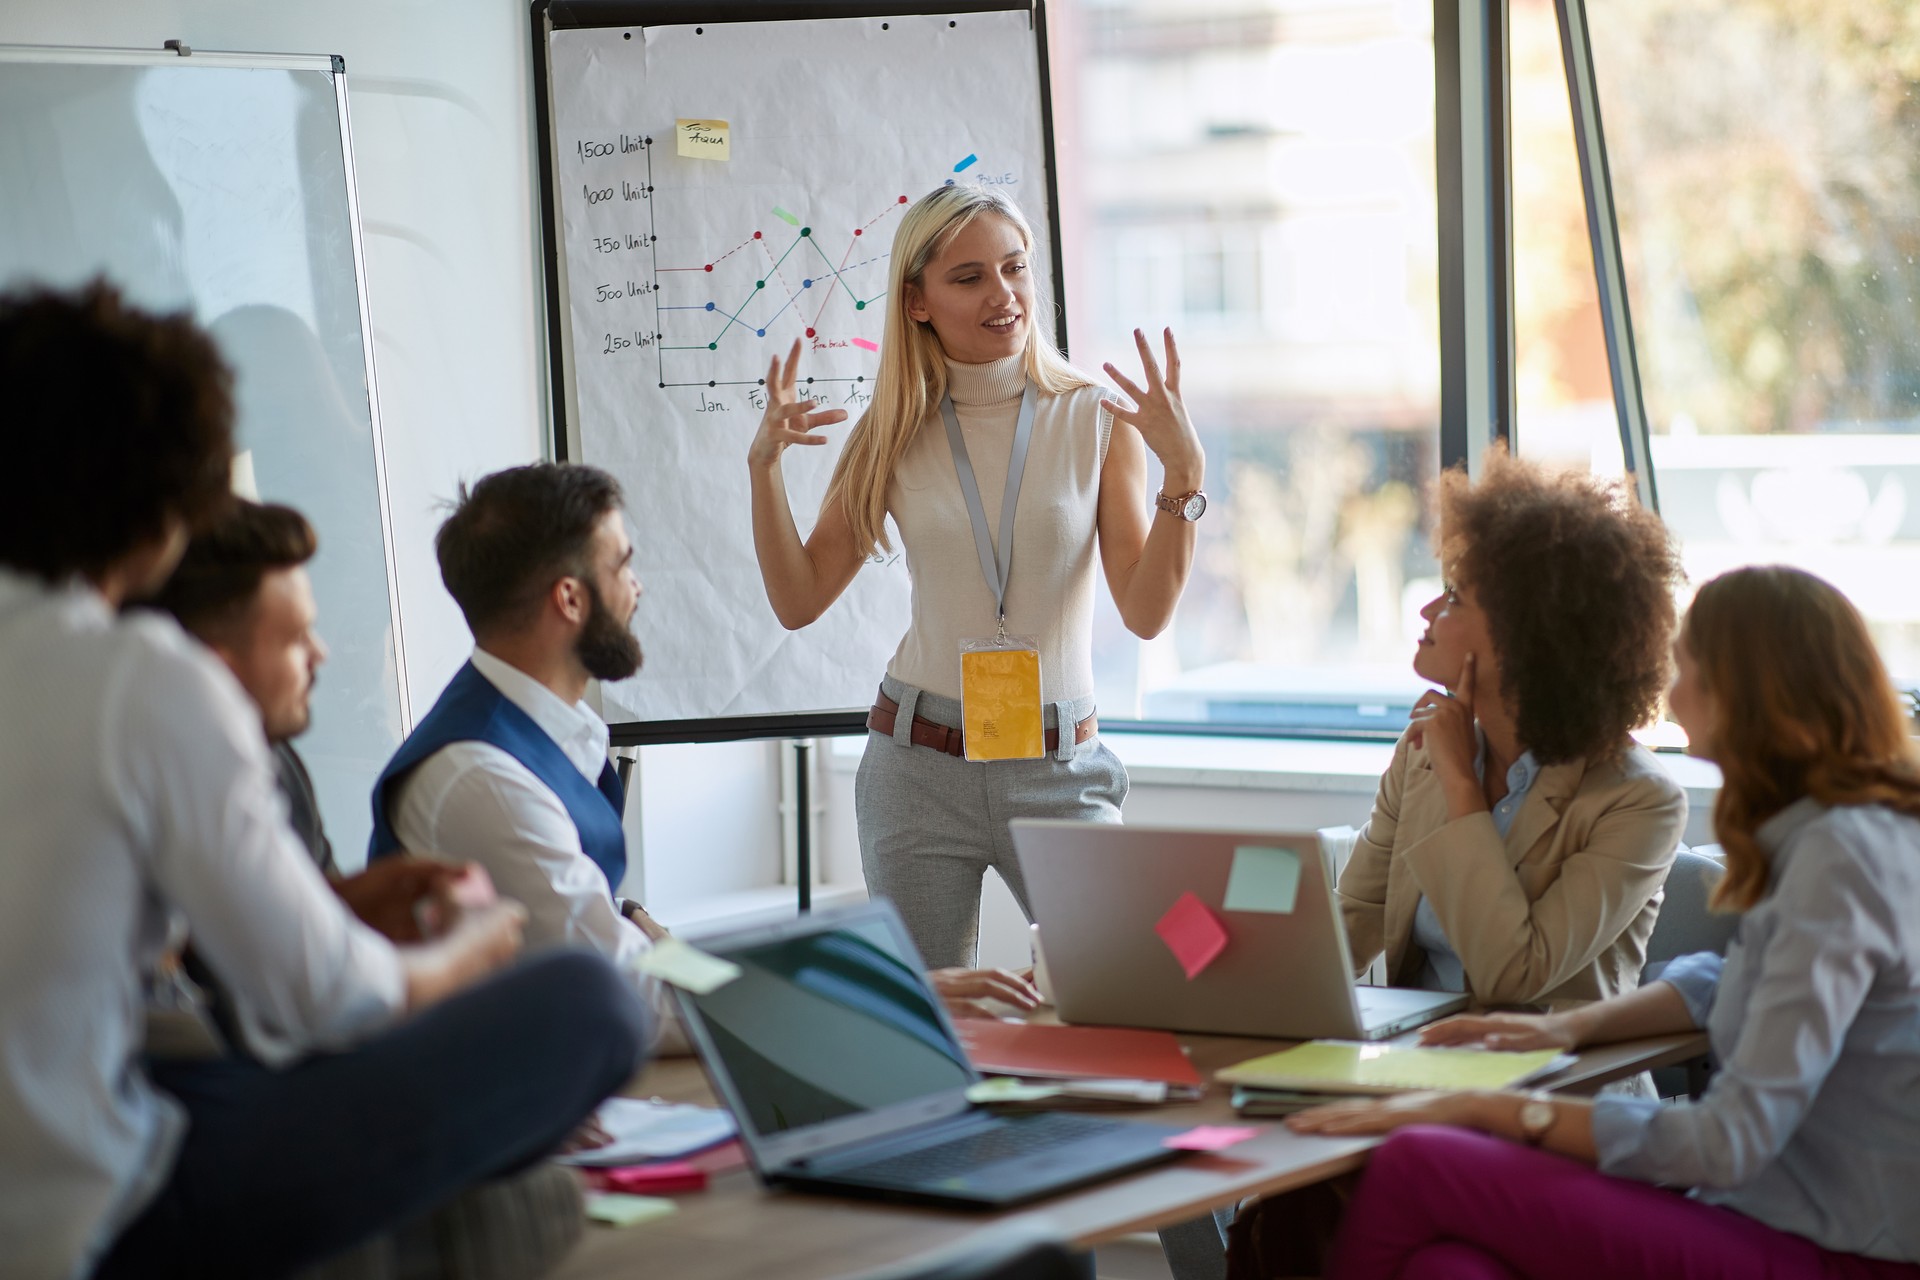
[1000,699]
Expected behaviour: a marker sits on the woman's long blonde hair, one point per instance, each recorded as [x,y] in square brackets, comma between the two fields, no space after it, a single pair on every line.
[913,370]
[1804,708]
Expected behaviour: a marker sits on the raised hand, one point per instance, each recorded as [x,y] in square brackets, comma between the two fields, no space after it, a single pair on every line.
[1159,415]
[788,419]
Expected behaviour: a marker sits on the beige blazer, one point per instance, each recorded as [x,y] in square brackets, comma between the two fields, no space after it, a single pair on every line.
[1559,911]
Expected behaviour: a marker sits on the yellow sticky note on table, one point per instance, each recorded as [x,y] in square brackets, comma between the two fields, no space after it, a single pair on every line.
[1000,704]
[619,1210]
[687,966]
[1008,1089]
[703,139]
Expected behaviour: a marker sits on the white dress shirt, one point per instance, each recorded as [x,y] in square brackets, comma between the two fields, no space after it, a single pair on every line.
[471,801]
[135,786]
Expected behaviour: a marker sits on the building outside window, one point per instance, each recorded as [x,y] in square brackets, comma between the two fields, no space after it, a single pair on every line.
[1261,178]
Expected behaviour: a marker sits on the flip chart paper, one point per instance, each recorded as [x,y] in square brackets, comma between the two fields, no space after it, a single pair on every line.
[617,1209]
[684,277]
[688,967]
[1194,934]
[1263,879]
[1210,1137]
[703,139]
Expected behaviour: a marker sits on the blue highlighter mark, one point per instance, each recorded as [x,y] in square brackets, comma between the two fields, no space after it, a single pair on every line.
[964,163]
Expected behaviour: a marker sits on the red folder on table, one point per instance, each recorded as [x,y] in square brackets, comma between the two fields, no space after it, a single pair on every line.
[1075,1053]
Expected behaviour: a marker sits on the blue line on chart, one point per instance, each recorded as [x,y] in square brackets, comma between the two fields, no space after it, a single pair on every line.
[791,299]
[964,163]
[836,271]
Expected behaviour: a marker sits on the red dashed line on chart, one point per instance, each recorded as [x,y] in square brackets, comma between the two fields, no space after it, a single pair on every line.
[835,285]
[723,257]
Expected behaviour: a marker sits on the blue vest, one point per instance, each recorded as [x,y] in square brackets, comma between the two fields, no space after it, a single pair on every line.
[472,710]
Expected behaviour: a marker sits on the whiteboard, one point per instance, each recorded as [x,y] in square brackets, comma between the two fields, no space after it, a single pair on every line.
[679,278]
[222,184]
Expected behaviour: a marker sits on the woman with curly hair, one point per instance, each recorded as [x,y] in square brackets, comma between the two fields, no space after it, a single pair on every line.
[1519,839]
[1803,1156]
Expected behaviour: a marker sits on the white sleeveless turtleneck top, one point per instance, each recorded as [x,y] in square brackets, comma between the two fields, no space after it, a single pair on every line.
[1050,589]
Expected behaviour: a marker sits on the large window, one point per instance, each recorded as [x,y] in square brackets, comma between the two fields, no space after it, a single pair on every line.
[1765,160]
[1261,177]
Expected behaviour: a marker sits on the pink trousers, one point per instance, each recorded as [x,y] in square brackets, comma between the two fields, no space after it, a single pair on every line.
[1449,1204]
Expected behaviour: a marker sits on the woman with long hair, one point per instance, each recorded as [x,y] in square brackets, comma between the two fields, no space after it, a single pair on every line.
[1803,1156]
[1519,838]
[1003,468]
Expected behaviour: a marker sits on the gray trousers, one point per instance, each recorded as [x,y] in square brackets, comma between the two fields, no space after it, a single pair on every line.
[931,824]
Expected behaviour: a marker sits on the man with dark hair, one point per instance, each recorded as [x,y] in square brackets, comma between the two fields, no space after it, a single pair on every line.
[135,788]
[510,767]
[242,590]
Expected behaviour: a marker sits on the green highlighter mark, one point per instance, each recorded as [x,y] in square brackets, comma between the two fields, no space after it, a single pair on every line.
[1263,879]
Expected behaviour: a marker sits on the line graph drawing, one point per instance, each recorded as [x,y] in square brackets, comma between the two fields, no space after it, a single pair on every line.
[790,292]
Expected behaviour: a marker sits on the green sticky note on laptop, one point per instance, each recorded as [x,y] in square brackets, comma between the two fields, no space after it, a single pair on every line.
[1263,879]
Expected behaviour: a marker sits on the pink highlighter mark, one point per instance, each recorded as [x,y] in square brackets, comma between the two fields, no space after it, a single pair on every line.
[864,345]
[1210,1137]
[1194,934]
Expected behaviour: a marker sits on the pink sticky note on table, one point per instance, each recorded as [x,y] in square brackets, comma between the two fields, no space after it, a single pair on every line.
[1210,1137]
[1194,934]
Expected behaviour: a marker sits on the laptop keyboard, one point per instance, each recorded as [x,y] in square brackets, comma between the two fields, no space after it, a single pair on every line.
[1022,1137]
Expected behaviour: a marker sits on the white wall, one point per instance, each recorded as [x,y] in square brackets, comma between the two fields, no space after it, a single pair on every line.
[441,98]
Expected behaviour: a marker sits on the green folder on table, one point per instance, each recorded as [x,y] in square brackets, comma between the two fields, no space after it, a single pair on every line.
[1349,1067]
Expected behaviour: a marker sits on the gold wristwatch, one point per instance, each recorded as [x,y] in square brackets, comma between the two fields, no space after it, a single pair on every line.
[1536,1117]
[1189,506]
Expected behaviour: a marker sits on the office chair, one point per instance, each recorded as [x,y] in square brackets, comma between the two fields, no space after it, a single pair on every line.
[1687,925]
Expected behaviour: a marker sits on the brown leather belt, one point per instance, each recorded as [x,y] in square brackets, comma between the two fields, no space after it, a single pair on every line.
[925,733]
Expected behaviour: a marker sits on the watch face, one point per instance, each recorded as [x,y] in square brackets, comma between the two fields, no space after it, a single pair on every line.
[1196,506]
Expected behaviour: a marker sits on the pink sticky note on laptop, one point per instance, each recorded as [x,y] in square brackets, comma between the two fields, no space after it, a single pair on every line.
[1194,934]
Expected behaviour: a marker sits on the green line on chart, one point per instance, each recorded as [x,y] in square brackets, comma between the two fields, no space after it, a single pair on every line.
[784,216]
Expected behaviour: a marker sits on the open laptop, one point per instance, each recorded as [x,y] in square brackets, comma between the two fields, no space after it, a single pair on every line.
[1098,889]
[838,1061]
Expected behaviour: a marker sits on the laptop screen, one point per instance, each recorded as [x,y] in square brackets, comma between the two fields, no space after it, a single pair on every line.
[827,1024]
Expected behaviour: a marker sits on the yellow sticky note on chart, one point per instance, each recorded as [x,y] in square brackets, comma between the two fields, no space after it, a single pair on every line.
[703,139]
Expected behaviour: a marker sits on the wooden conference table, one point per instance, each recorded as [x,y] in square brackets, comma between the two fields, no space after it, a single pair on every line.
[736,1228]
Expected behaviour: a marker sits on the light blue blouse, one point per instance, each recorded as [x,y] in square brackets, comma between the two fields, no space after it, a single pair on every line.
[1443,970]
[1812,1122]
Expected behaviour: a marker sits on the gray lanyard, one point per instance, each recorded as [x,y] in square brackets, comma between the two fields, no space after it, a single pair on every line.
[996,568]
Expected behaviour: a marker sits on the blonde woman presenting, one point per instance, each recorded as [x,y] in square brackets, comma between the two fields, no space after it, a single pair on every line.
[1002,467]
